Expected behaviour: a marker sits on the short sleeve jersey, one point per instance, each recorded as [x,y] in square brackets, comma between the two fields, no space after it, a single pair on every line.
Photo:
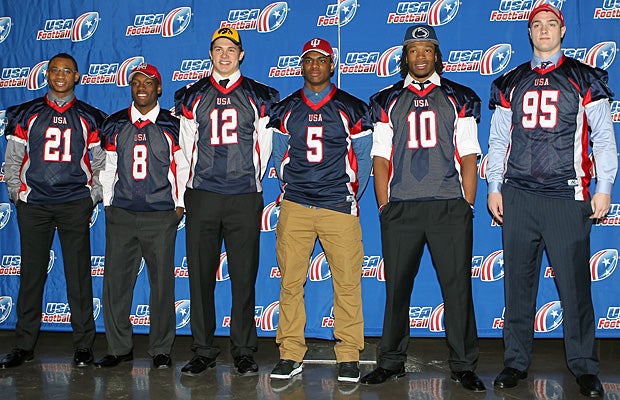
[226,153]
[56,167]
[146,171]
[425,162]
[548,152]
[320,167]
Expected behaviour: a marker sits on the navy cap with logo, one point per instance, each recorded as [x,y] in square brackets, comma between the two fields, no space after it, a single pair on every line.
[417,33]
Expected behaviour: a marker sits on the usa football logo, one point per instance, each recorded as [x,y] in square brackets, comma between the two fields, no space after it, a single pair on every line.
[182,312]
[482,167]
[612,321]
[548,389]
[319,269]
[615,112]
[142,264]
[442,12]
[36,77]
[181,223]
[5,28]
[93,216]
[269,219]
[519,10]
[436,322]
[51,262]
[122,75]
[602,55]
[272,17]
[177,21]
[389,62]
[493,267]
[192,70]
[603,264]
[97,265]
[5,214]
[6,305]
[172,24]
[548,317]
[271,316]
[495,59]
[222,271]
[340,13]
[2,124]
[84,26]
[610,10]
[96,307]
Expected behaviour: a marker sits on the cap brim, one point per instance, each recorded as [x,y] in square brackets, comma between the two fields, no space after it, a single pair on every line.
[318,51]
[433,41]
[145,74]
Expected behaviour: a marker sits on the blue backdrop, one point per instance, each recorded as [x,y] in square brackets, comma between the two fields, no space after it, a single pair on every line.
[479,41]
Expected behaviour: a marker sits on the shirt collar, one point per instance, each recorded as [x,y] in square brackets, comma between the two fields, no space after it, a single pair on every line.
[315,97]
[151,115]
[555,59]
[233,78]
[435,79]
[53,98]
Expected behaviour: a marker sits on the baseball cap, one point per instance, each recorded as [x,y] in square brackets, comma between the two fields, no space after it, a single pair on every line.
[228,33]
[319,45]
[417,33]
[546,7]
[148,70]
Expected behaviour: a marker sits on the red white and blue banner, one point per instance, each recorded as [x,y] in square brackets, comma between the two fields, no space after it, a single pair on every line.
[479,40]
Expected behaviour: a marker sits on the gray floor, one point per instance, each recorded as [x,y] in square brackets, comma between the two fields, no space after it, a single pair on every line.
[52,376]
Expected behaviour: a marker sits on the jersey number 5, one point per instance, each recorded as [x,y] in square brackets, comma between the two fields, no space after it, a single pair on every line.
[539,108]
[314,134]
[223,126]
[57,145]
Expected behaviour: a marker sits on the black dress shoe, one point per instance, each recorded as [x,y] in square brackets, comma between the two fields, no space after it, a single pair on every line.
[82,357]
[246,365]
[509,377]
[161,361]
[380,375]
[112,360]
[16,358]
[469,380]
[197,365]
[590,385]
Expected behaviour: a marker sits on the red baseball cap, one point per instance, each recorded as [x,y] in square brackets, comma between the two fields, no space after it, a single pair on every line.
[148,70]
[319,45]
[546,7]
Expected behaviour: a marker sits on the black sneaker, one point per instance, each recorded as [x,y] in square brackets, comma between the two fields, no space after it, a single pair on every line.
[286,369]
[348,372]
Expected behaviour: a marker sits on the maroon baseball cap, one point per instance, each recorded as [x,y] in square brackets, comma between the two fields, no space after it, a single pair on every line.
[546,7]
[148,70]
[319,45]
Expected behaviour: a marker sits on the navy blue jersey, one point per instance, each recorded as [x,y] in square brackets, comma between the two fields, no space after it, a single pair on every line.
[145,173]
[548,151]
[421,127]
[223,136]
[56,166]
[319,166]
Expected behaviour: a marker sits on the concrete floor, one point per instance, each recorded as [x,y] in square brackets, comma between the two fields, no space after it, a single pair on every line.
[52,376]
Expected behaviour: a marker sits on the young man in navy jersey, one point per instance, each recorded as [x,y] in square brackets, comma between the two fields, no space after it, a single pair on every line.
[538,175]
[425,148]
[321,151]
[224,136]
[54,185]
[143,185]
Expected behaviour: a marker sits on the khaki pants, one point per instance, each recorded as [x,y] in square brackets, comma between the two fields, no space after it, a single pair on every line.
[340,236]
